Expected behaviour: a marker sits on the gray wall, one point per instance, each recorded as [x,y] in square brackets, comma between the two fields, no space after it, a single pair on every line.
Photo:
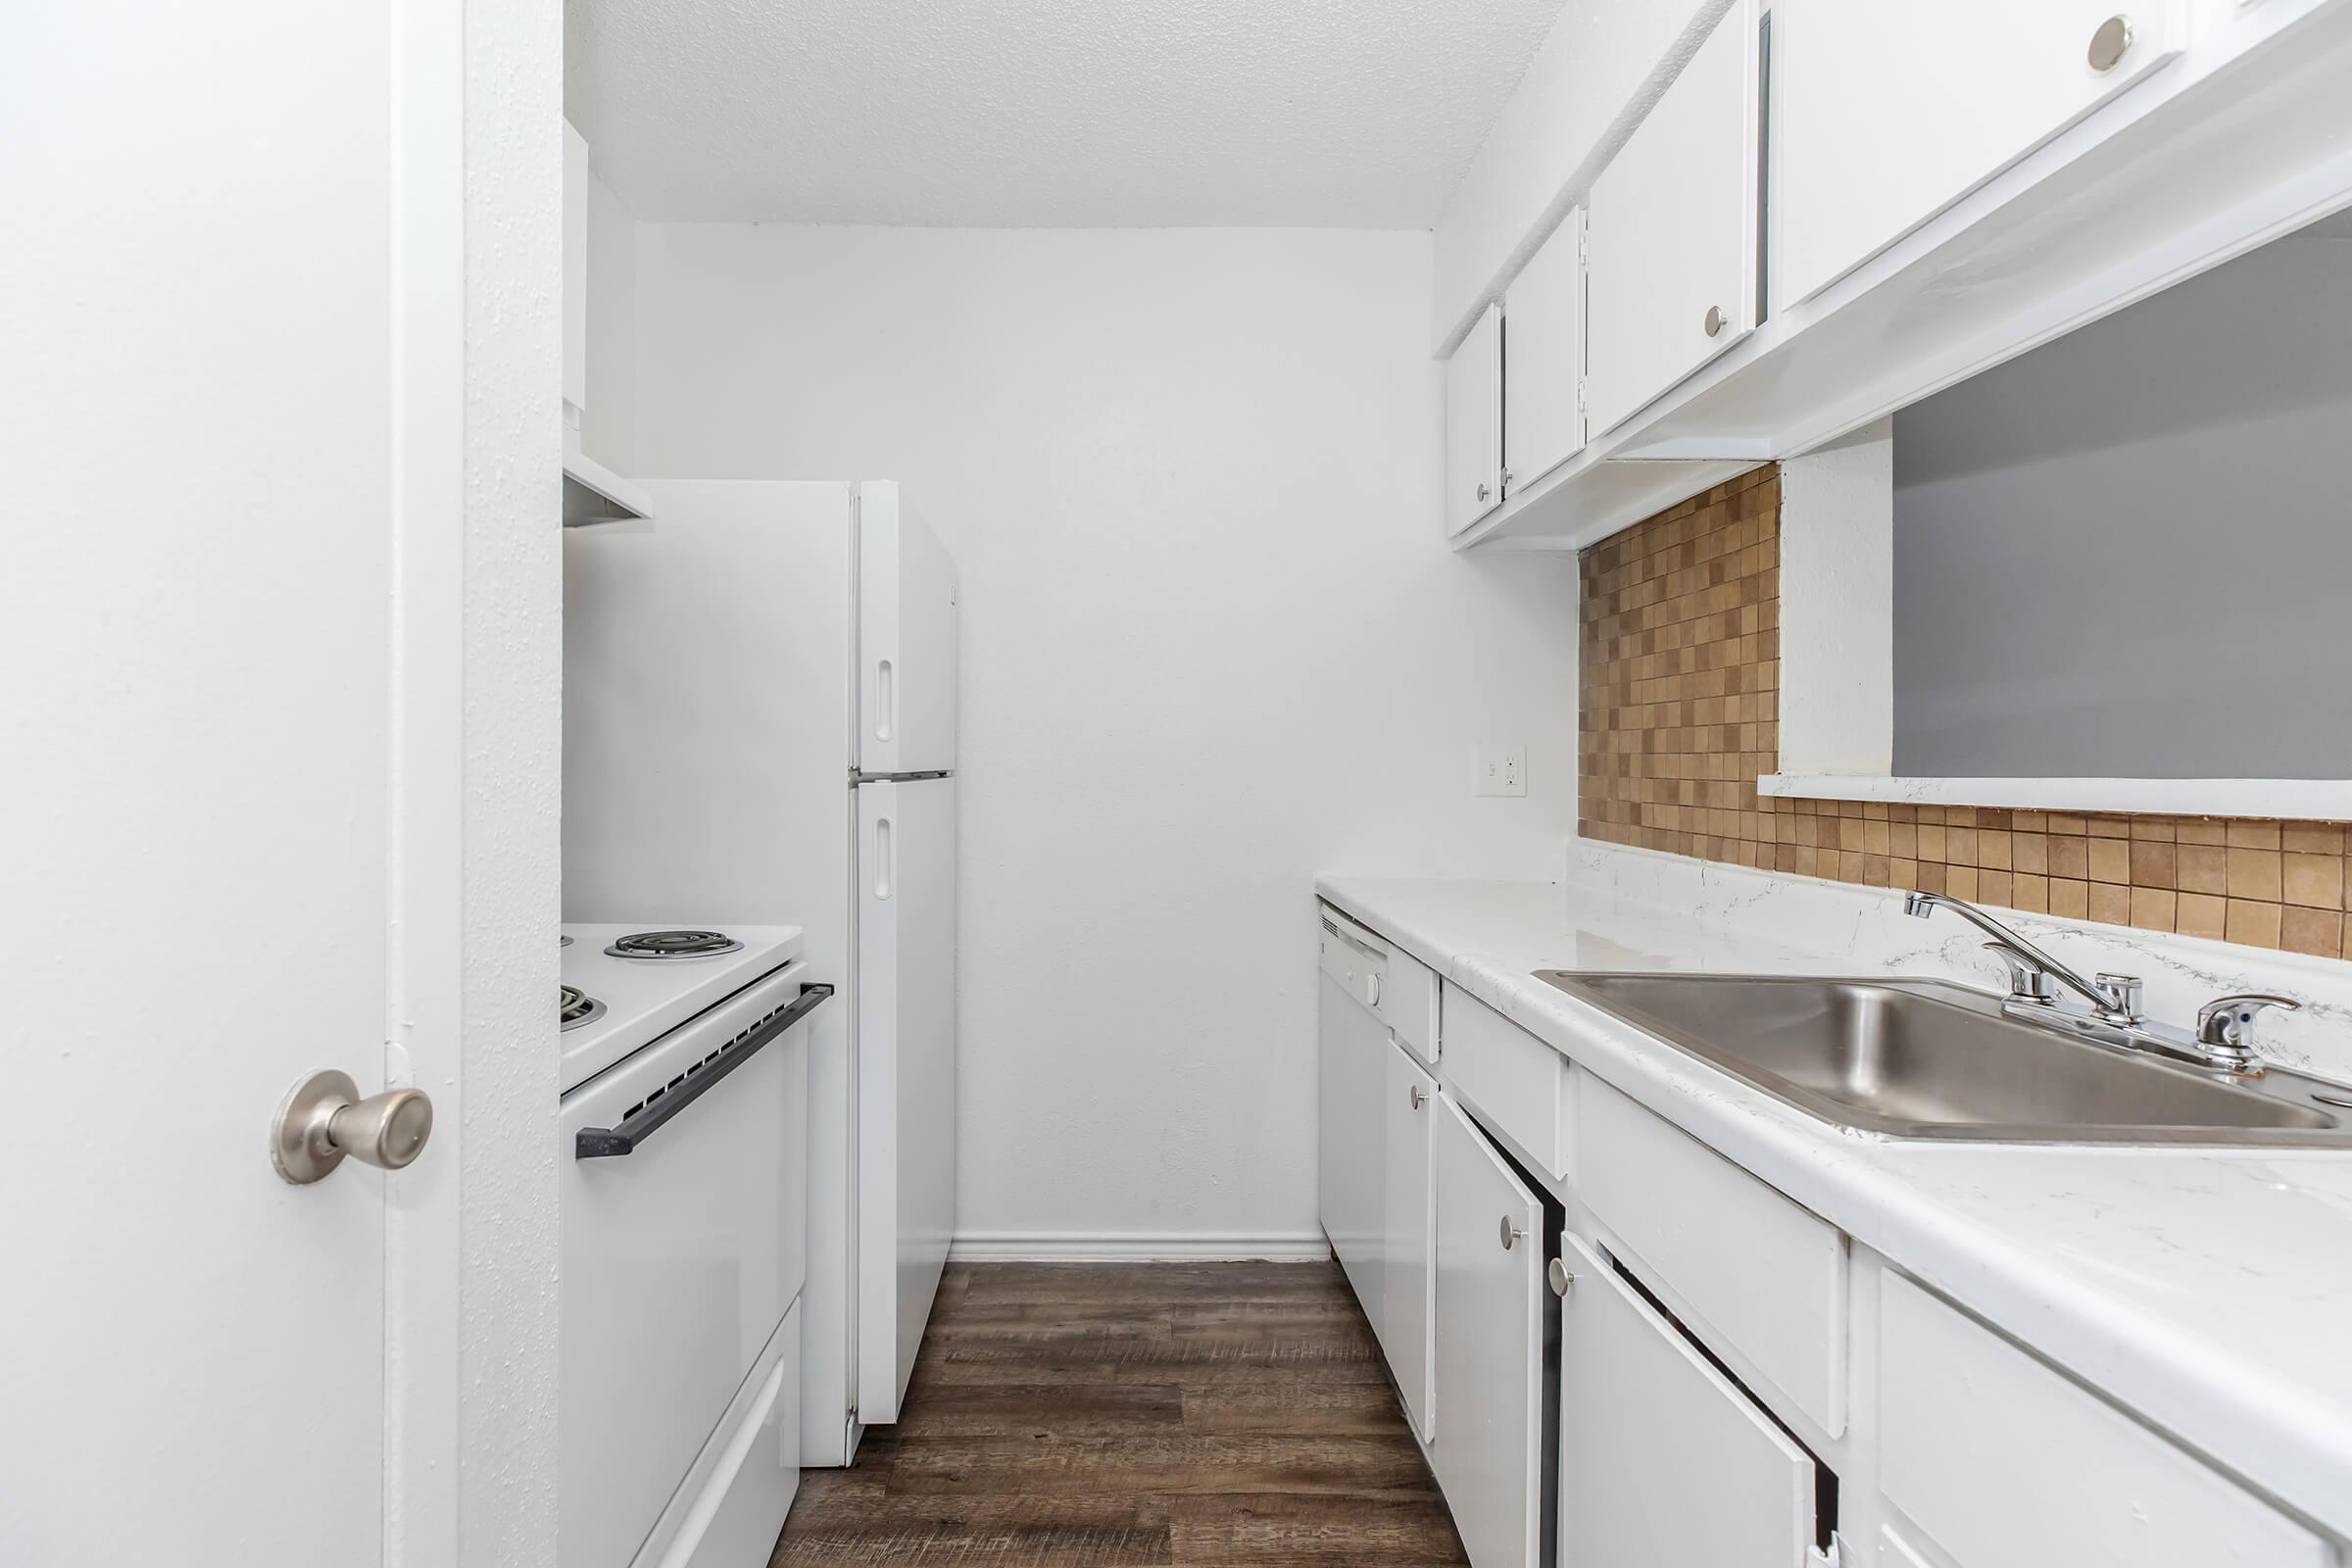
[2127,553]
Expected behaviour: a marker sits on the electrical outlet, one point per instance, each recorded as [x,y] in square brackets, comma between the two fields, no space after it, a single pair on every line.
[1500,768]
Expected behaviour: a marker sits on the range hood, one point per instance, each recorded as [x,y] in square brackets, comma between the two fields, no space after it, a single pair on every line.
[594,493]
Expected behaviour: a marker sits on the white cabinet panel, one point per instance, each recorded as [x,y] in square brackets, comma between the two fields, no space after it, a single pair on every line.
[1662,1458]
[1543,358]
[2004,1463]
[1490,1348]
[1474,424]
[1758,1277]
[1409,1281]
[1671,253]
[1351,1177]
[575,267]
[1517,1083]
[1886,112]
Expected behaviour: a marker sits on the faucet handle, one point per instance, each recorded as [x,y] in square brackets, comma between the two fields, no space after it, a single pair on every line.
[2128,993]
[2223,1020]
[2028,981]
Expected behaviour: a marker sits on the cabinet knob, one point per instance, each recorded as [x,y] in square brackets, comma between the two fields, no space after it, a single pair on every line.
[1511,1233]
[1416,1095]
[2111,43]
[1482,492]
[1560,1276]
[1716,320]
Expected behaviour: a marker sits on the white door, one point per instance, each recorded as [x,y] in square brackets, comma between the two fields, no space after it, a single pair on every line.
[198,822]
[1410,1102]
[1662,1458]
[906,638]
[1670,248]
[1543,358]
[1886,112]
[1474,424]
[1490,1348]
[906,1084]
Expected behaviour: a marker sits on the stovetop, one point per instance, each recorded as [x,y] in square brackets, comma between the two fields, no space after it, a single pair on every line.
[645,998]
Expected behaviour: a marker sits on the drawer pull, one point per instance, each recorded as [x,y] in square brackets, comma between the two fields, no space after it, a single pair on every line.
[2110,44]
[1511,1233]
[1417,1095]
[1561,1277]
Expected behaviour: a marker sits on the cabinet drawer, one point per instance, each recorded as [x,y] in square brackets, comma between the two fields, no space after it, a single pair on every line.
[1662,1458]
[1516,1083]
[1408,1005]
[1760,1279]
[2001,1462]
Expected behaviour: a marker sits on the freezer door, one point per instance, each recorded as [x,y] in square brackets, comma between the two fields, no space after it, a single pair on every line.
[905,1075]
[906,639]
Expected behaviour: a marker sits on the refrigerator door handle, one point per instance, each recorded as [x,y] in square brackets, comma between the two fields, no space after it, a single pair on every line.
[882,857]
[885,700]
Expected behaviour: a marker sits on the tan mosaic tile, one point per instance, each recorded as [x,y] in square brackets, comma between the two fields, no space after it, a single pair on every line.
[1680,712]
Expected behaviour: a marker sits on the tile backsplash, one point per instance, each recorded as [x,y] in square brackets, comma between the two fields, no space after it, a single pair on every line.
[1678,712]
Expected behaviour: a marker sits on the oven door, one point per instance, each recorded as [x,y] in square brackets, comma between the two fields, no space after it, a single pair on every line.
[680,1255]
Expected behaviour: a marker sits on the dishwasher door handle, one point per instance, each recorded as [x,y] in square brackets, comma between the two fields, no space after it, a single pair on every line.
[609,1143]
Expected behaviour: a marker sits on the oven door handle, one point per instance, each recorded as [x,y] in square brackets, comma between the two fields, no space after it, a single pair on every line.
[609,1143]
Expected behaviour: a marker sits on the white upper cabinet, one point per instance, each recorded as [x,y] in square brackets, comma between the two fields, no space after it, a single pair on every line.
[1886,112]
[1543,358]
[575,273]
[1474,424]
[1672,254]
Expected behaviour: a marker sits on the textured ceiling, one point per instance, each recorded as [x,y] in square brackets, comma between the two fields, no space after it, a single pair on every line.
[1044,113]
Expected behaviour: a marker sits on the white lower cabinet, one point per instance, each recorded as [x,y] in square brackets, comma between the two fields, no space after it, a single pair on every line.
[1491,1323]
[1662,1458]
[1409,1281]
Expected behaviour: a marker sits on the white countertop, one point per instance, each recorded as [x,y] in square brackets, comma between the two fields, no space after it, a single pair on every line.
[2209,1290]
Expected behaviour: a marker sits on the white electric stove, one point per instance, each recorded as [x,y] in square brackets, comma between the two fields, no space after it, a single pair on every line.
[683,1146]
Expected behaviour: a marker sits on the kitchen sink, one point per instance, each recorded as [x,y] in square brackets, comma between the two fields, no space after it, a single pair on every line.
[1921,1059]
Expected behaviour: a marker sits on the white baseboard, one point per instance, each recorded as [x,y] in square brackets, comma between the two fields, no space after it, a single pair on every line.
[1126,1247]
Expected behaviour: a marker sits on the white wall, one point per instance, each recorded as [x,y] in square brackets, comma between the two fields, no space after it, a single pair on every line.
[1214,645]
[2137,524]
[609,421]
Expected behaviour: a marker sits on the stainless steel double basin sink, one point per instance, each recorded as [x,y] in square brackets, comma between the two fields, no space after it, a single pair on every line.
[1921,1058]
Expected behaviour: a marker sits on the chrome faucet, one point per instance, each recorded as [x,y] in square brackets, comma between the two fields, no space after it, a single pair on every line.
[2113,1017]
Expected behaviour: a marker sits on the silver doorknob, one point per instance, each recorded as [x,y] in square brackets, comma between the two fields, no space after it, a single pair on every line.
[1416,1095]
[1510,1233]
[322,1118]
[1715,321]
[2110,43]
[1560,1276]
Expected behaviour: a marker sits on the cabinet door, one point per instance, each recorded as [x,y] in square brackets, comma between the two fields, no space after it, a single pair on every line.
[1490,1348]
[1411,1102]
[1671,253]
[1351,1177]
[1886,112]
[1543,359]
[1662,1458]
[575,267]
[1474,424]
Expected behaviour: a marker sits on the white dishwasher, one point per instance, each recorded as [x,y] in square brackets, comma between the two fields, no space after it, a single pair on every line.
[1352,1050]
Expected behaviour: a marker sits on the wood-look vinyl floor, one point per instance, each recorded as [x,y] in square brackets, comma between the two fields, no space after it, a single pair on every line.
[1134,1416]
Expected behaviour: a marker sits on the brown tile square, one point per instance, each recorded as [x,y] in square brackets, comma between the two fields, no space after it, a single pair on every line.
[2314,931]
[2201,914]
[2202,830]
[2063,822]
[2070,856]
[2254,874]
[2252,835]
[2152,909]
[2152,864]
[1878,838]
[2109,827]
[2111,903]
[2111,861]
[2030,853]
[1933,877]
[1960,881]
[2031,893]
[1903,841]
[2070,898]
[1960,844]
[1992,849]
[2251,924]
[2311,838]
[1993,887]
[2316,881]
[1933,842]
[2201,868]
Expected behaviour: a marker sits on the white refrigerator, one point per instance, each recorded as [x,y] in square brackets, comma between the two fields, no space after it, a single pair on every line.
[760,727]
